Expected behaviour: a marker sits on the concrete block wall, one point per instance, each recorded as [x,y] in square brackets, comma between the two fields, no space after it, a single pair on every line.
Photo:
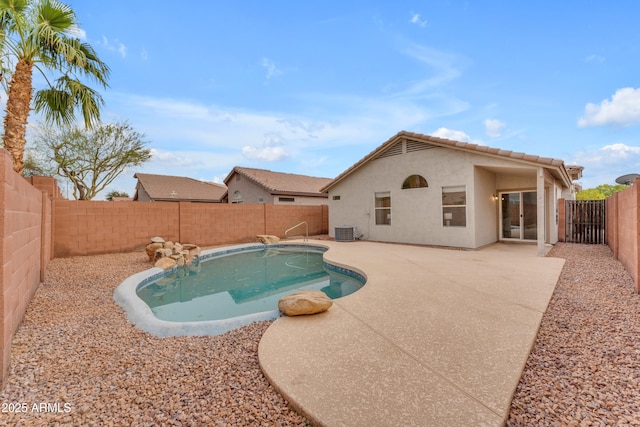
[623,232]
[88,227]
[25,223]
[84,227]
[208,224]
[279,218]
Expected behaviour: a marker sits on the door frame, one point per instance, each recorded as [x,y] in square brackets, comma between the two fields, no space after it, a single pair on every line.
[521,213]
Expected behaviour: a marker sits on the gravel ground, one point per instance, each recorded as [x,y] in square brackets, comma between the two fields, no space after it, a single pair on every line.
[76,352]
[77,361]
[584,369]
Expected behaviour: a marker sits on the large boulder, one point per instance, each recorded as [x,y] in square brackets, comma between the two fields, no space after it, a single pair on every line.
[266,238]
[304,302]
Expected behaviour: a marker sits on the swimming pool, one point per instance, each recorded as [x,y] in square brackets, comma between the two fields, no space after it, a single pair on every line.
[229,287]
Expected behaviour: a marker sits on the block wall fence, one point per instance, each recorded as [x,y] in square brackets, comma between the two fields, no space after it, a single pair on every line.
[25,231]
[98,227]
[623,233]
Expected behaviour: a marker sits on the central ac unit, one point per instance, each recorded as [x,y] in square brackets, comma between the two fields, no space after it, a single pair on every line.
[345,233]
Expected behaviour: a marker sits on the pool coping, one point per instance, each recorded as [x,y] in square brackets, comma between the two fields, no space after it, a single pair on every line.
[140,314]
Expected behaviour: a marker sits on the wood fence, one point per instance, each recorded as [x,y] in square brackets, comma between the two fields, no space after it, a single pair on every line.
[585,221]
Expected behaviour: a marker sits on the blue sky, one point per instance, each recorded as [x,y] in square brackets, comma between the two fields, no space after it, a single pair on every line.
[312,88]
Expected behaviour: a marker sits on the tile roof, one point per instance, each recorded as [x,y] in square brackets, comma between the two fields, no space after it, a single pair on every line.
[458,145]
[166,187]
[282,183]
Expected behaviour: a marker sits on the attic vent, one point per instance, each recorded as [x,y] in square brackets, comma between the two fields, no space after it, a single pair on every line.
[418,146]
[345,233]
[392,151]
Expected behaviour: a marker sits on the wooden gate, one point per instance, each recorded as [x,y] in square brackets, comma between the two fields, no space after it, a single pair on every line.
[586,221]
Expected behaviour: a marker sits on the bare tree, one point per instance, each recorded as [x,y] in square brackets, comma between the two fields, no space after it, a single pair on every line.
[91,159]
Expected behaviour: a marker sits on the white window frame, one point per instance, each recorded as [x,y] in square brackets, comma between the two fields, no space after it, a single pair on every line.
[448,210]
[379,210]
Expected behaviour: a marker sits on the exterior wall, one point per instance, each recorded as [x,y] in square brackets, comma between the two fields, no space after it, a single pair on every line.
[25,223]
[417,213]
[486,212]
[301,200]
[623,233]
[94,227]
[143,196]
[252,193]
[556,200]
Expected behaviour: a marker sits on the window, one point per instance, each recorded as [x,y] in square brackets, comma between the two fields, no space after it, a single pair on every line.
[237,197]
[414,181]
[383,208]
[454,206]
[286,199]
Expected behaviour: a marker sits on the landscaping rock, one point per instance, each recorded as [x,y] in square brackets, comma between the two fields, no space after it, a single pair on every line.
[151,250]
[166,263]
[304,302]
[265,238]
[162,253]
[182,254]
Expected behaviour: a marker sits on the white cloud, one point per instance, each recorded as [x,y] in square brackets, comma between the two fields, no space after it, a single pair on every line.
[415,19]
[605,164]
[78,32]
[116,46]
[272,69]
[265,154]
[623,109]
[444,67]
[493,127]
[455,135]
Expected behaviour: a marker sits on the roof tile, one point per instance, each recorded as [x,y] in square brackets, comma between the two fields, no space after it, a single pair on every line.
[167,187]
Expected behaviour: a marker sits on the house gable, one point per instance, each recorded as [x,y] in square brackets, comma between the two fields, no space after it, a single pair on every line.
[249,185]
[407,142]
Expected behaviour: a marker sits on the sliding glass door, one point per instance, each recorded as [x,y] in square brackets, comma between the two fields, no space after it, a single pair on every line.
[519,215]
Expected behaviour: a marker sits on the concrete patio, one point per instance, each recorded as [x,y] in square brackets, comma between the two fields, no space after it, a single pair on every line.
[435,337]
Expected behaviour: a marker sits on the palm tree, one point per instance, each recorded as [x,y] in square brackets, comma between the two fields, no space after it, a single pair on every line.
[42,35]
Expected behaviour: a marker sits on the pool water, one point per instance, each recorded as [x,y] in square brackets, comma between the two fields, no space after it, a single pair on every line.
[243,283]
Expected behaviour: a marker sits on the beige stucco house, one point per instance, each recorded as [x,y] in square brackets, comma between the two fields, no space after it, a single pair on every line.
[250,185]
[421,189]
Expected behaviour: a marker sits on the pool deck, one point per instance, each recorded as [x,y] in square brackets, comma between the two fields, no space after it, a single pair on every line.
[435,337]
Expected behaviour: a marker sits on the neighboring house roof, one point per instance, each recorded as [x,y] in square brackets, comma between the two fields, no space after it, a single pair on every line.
[282,183]
[575,171]
[171,188]
[556,166]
